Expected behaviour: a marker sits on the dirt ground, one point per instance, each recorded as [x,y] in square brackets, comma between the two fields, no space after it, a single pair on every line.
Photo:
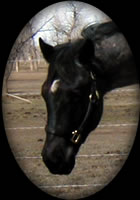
[100,157]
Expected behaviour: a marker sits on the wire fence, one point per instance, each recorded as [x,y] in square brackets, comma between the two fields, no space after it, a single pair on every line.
[99,185]
[96,186]
[99,126]
[39,93]
[78,156]
[72,186]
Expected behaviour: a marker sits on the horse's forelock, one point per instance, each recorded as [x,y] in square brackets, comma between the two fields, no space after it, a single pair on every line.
[66,61]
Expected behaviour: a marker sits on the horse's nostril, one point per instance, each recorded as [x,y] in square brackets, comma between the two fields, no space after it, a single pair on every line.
[57,165]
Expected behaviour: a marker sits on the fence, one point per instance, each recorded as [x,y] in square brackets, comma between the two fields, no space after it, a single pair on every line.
[27,65]
[74,186]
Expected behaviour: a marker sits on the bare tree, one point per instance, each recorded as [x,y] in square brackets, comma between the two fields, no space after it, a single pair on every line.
[17,52]
[24,48]
[56,24]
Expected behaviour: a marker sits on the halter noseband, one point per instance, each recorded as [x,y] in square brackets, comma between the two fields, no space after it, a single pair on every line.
[93,98]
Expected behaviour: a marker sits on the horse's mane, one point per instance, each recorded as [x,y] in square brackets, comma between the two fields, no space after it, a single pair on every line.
[98,31]
[69,51]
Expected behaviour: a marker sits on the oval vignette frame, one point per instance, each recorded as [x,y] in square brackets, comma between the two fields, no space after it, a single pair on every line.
[130,156]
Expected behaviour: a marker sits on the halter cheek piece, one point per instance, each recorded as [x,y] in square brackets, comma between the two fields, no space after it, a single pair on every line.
[93,98]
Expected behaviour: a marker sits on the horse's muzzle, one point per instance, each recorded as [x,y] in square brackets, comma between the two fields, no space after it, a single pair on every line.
[59,159]
[59,166]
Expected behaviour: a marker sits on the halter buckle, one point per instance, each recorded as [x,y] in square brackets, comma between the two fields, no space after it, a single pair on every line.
[76,136]
[91,97]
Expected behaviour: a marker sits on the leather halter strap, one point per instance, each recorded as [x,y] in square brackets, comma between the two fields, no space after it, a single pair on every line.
[93,98]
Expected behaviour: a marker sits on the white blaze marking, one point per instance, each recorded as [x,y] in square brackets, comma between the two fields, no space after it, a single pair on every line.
[55,85]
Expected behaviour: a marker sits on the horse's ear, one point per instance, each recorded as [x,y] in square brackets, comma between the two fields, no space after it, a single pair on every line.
[46,49]
[86,54]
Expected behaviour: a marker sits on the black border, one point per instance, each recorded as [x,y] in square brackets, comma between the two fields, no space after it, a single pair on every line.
[14,16]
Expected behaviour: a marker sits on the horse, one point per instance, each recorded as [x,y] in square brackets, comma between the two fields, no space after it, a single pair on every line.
[80,73]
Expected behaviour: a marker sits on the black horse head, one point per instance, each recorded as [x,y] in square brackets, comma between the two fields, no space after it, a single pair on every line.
[80,73]
[73,100]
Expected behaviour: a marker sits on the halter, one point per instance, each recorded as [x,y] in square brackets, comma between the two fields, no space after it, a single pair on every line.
[93,98]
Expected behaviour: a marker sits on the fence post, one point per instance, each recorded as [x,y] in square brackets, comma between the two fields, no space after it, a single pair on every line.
[31,64]
[17,65]
[35,64]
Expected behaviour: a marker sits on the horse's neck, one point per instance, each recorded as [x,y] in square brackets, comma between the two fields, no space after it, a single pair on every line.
[116,62]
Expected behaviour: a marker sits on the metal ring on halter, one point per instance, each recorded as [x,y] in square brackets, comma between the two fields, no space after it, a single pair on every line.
[76,137]
[91,96]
